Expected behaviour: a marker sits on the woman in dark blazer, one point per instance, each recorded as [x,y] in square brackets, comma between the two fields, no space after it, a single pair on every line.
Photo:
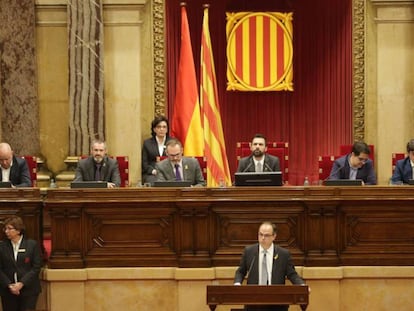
[154,148]
[20,263]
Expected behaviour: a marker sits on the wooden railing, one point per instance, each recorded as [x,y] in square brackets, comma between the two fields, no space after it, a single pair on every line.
[201,227]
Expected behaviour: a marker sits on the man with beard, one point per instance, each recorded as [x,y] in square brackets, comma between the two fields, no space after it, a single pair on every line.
[98,166]
[259,160]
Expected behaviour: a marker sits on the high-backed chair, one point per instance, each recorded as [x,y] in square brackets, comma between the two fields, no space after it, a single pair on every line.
[203,165]
[123,164]
[32,164]
[396,157]
[278,149]
[325,163]
[345,149]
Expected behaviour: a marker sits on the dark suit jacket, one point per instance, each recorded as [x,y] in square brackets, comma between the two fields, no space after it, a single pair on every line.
[19,173]
[271,164]
[403,171]
[341,169]
[191,171]
[85,171]
[27,266]
[150,152]
[282,266]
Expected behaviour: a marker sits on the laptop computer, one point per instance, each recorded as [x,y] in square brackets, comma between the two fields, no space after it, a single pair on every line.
[173,183]
[5,184]
[258,179]
[89,184]
[343,182]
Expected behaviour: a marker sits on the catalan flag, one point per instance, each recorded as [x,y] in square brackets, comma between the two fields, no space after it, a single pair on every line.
[218,172]
[186,120]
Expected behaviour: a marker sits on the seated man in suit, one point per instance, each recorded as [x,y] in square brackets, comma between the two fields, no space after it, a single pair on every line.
[266,263]
[13,169]
[259,160]
[98,166]
[404,168]
[355,165]
[177,167]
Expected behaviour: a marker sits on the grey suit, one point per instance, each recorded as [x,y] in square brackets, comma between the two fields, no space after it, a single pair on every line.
[85,171]
[271,164]
[282,267]
[191,171]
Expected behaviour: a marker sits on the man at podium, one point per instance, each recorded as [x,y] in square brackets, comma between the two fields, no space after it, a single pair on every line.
[266,263]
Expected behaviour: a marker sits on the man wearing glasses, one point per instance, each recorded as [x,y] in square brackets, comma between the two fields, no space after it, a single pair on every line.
[266,263]
[355,165]
[177,167]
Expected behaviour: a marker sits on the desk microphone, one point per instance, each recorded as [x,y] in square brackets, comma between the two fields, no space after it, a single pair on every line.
[248,166]
[251,265]
[268,167]
[339,168]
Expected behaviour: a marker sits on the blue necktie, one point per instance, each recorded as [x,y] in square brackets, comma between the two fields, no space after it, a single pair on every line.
[177,172]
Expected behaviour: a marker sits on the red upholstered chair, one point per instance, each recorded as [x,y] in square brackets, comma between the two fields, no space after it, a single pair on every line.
[32,164]
[203,165]
[278,149]
[123,164]
[345,149]
[325,163]
[395,158]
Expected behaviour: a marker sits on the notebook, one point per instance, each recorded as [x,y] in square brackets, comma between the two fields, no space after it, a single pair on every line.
[183,183]
[89,184]
[258,179]
[343,182]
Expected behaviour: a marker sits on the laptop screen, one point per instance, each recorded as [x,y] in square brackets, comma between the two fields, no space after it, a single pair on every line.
[343,182]
[5,184]
[258,179]
[184,183]
[89,184]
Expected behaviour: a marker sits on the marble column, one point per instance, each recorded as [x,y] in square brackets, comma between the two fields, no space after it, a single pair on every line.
[19,109]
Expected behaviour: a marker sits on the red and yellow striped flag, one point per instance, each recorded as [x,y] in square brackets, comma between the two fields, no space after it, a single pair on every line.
[218,172]
[186,122]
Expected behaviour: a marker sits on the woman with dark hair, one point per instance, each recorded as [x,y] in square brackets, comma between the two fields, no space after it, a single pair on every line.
[20,263]
[154,148]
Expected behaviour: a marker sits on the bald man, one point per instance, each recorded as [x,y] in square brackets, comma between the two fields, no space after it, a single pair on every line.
[13,169]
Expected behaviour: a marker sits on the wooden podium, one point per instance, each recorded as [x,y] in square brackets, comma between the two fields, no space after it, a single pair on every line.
[257,295]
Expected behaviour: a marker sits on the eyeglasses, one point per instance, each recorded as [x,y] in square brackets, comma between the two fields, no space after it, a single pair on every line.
[161,127]
[9,228]
[363,160]
[266,236]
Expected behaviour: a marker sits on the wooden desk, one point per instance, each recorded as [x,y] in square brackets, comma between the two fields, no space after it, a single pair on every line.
[205,227]
[257,295]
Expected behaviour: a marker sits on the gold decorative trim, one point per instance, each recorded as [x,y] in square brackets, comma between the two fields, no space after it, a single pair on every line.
[358,74]
[158,13]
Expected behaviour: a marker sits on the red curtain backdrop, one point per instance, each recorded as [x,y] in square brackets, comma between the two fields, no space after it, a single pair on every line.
[316,118]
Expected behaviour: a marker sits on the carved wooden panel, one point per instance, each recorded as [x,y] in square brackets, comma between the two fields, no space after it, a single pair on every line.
[202,227]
